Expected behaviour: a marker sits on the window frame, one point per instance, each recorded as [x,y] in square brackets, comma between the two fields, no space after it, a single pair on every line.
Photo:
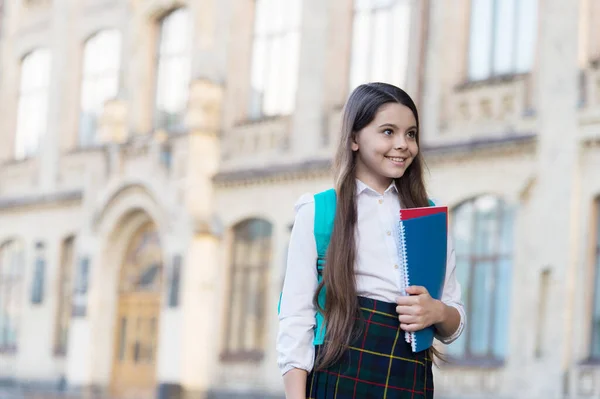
[288,33]
[89,78]
[502,210]
[23,148]
[374,10]
[160,58]
[16,287]
[491,73]
[263,243]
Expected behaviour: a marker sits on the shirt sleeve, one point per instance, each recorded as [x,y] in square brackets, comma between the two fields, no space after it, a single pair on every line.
[452,294]
[297,314]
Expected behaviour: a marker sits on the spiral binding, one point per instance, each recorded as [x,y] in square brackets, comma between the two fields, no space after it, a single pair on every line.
[408,337]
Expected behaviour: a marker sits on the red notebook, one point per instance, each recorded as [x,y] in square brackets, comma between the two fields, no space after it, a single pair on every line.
[413,213]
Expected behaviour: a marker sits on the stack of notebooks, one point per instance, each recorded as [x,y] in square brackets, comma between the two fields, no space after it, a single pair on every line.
[423,240]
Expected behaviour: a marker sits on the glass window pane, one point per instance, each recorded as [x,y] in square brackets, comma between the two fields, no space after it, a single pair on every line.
[486,226]
[174,70]
[275,58]
[11,272]
[463,275]
[480,40]
[260,18]
[100,80]
[380,42]
[527,33]
[251,303]
[481,308]
[360,48]
[399,52]
[250,261]
[381,45]
[502,308]
[290,71]
[33,102]
[504,37]
[257,84]
[507,230]
[458,347]
[462,227]
[274,82]
[237,315]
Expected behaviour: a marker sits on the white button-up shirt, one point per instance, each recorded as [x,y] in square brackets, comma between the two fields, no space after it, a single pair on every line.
[378,275]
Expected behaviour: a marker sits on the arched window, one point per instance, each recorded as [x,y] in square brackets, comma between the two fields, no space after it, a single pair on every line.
[250,261]
[380,41]
[11,289]
[483,237]
[100,80]
[174,69]
[275,57]
[33,103]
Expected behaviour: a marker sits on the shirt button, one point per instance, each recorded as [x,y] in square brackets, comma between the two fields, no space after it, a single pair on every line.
[381,201]
[395,266]
[389,233]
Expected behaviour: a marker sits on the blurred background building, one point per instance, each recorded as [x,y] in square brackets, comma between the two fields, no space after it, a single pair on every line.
[152,151]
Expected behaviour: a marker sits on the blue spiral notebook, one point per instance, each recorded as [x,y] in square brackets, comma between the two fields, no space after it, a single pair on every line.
[423,241]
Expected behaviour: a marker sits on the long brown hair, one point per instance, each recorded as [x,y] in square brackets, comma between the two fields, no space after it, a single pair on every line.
[341,307]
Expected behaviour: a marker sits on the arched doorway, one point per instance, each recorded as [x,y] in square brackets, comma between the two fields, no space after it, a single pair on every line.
[137,314]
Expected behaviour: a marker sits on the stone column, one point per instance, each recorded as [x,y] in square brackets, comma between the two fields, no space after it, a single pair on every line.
[309,116]
[552,224]
[430,107]
[49,150]
[191,354]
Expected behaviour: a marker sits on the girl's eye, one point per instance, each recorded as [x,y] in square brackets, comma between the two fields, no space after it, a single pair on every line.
[412,134]
[388,132]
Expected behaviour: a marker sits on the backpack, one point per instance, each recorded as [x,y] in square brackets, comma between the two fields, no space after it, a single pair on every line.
[325,205]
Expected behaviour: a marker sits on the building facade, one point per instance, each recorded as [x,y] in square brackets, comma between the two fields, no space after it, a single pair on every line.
[153,151]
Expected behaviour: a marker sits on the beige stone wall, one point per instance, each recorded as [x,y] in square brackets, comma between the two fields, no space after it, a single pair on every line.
[504,138]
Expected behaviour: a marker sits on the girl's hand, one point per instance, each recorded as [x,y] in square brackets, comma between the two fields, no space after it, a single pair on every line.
[419,310]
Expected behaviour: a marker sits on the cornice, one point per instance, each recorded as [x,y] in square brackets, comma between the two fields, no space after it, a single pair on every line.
[315,169]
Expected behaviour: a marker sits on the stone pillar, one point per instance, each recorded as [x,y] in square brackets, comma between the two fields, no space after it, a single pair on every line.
[191,355]
[79,368]
[552,223]
[430,107]
[309,116]
[49,150]
[113,122]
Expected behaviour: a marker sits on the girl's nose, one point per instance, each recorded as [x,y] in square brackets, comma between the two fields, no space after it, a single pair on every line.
[400,142]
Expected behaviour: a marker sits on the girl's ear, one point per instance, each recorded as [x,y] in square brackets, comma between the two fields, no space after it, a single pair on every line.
[354,145]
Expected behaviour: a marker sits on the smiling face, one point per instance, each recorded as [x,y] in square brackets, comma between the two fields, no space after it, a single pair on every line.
[387,146]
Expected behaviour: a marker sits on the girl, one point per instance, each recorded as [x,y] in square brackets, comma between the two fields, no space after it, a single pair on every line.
[378,169]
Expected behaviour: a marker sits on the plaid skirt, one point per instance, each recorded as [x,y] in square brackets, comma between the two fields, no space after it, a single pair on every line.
[378,364]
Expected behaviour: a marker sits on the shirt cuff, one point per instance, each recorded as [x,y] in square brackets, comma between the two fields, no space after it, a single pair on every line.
[451,338]
[285,368]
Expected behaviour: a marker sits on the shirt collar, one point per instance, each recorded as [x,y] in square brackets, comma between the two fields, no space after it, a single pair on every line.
[362,187]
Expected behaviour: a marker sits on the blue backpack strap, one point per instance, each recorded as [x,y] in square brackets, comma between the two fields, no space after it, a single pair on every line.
[325,204]
[431,203]
[324,216]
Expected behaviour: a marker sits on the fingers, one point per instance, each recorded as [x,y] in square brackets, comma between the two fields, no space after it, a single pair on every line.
[407,319]
[411,327]
[414,310]
[416,290]
[407,300]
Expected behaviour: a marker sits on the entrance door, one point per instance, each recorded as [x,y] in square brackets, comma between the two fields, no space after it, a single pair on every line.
[138,310]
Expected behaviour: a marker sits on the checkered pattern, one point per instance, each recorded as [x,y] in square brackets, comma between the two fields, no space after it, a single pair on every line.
[378,365]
